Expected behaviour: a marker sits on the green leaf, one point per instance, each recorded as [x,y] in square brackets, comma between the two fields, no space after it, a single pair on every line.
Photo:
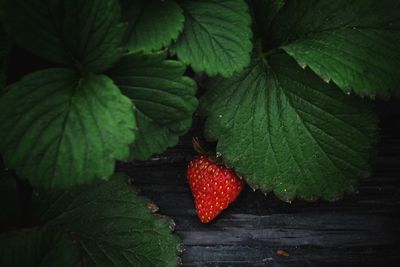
[284,129]
[36,247]
[87,34]
[216,36]
[353,43]
[263,12]
[164,100]
[111,223]
[58,130]
[153,24]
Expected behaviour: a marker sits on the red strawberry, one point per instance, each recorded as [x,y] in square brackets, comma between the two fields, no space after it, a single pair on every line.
[213,186]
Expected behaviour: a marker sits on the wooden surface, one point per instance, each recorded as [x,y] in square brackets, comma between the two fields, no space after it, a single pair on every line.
[360,230]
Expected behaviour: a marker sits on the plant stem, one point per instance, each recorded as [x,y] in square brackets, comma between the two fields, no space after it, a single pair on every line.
[267,54]
[270,52]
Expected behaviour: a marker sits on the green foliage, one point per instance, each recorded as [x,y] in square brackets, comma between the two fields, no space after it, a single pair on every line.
[102,224]
[153,24]
[287,130]
[163,98]
[58,129]
[263,12]
[278,101]
[282,127]
[87,34]
[40,247]
[353,43]
[216,36]
[274,97]
[65,127]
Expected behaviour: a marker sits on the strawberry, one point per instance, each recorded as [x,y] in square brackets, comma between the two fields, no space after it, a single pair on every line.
[213,186]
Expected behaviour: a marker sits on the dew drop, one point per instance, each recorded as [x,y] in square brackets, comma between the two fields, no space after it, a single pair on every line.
[180,248]
[326,79]
[302,65]
[348,90]
[179,262]
[172,225]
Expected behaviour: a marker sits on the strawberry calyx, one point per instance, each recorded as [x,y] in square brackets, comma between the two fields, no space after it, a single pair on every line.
[200,148]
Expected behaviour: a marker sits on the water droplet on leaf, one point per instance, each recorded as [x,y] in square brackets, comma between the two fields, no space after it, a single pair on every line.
[172,225]
[302,65]
[326,79]
[348,90]
[180,248]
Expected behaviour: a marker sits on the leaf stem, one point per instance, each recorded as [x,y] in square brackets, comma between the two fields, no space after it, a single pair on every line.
[198,147]
[271,52]
[267,54]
